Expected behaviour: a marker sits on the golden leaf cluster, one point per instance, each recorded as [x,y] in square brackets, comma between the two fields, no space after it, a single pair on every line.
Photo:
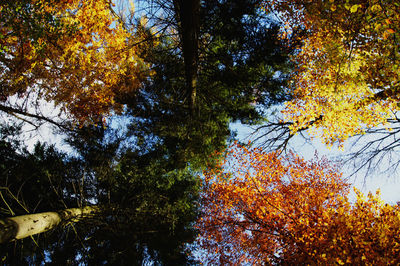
[81,62]
[348,65]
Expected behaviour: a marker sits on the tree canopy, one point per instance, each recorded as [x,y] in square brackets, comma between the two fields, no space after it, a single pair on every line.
[76,54]
[141,174]
[262,208]
[348,65]
[144,210]
[242,65]
[145,99]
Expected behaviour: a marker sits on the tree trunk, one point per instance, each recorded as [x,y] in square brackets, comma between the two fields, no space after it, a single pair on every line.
[188,13]
[19,227]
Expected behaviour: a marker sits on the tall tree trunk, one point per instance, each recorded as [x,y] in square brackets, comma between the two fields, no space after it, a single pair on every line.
[188,16]
[19,227]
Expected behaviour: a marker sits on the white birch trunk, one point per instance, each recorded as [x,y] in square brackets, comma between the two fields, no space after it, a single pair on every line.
[19,227]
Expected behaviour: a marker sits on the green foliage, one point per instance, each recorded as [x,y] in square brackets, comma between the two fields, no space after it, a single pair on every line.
[145,179]
[245,62]
[148,207]
[157,207]
[153,201]
[242,68]
[37,181]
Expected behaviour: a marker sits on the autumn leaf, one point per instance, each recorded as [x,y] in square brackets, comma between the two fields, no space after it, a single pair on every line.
[354,8]
[285,210]
[348,66]
[79,55]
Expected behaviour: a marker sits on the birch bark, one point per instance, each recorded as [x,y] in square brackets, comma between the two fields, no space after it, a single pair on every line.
[19,227]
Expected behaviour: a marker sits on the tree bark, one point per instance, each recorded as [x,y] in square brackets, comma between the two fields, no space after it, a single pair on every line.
[188,17]
[19,227]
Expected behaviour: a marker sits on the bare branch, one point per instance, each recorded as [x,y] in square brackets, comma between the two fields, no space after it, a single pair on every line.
[13,111]
[376,151]
[276,135]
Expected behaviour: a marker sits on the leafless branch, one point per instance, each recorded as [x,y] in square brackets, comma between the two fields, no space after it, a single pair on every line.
[15,112]
[376,151]
[276,135]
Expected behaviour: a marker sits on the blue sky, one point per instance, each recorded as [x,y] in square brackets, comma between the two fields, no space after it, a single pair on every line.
[388,184]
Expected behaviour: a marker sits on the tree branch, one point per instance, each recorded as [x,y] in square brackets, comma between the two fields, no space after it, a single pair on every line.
[11,110]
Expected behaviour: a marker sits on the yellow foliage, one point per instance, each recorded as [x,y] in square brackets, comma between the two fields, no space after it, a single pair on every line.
[82,64]
[348,65]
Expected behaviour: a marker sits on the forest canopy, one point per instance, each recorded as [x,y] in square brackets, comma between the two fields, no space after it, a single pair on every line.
[150,171]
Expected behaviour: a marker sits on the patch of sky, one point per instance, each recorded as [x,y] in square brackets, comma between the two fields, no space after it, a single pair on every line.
[307,147]
[33,130]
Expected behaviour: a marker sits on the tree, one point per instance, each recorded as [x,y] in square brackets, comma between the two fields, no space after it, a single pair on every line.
[23,226]
[143,210]
[34,182]
[76,54]
[242,65]
[146,181]
[348,65]
[153,195]
[188,15]
[262,208]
